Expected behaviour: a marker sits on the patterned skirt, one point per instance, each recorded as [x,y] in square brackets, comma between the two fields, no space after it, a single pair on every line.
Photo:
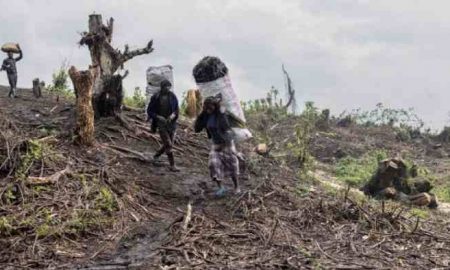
[223,162]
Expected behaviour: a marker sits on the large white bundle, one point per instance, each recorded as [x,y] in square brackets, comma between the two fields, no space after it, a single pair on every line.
[155,75]
[230,101]
[211,76]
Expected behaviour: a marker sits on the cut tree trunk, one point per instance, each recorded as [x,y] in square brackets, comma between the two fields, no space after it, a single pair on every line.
[37,88]
[83,82]
[108,91]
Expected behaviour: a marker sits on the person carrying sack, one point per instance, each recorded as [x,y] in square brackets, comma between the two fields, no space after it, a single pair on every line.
[163,110]
[9,65]
[223,162]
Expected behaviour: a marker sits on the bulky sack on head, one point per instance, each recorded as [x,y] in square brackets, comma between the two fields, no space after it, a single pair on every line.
[155,75]
[10,47]
[210,68]
[212,79]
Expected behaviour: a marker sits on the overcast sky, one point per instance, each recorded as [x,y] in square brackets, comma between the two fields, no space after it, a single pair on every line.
[340,54]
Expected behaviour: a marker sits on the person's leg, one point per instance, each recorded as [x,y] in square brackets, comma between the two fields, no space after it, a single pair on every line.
[169,152]
[15,85]
[214,165]
[164,138]
[12,84]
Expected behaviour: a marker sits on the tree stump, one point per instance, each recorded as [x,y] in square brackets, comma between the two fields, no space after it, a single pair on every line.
[37,88]
[83,82]
[107,90]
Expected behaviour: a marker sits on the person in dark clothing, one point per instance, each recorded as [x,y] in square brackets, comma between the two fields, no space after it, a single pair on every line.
[223,162]
[9,65]
[163,110]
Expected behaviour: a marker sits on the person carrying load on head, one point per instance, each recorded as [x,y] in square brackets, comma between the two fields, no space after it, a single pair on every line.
[163,110]
[9,65]
[223,162]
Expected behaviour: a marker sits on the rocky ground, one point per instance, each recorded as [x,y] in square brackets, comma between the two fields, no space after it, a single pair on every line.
[109,207]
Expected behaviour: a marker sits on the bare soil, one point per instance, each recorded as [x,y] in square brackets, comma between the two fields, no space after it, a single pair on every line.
[278,222]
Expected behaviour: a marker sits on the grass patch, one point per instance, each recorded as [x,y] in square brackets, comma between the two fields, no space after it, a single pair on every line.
[420,213]
[356,171]
[442,192]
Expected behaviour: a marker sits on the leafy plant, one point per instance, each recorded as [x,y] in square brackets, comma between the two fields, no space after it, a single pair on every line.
[60,82]
[105,200]
[137,100]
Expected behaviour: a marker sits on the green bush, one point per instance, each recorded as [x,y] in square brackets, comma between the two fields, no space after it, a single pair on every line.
[60,83]
[356,171]
[137,100]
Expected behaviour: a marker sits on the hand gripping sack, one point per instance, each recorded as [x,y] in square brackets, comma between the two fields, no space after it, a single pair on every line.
[212,78]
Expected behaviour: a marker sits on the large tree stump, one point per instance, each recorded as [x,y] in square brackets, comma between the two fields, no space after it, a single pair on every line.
[83,82]
[107,92]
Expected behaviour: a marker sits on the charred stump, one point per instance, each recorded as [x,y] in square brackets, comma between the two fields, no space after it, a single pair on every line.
[106,61]
[83,82]
[38,86]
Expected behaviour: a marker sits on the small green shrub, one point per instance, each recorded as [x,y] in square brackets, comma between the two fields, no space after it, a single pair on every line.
[5,226]
[60,83]
[137,100]
[105,200]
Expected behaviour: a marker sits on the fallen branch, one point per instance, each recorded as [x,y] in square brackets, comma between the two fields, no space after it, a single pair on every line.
[31,181]
[188,216]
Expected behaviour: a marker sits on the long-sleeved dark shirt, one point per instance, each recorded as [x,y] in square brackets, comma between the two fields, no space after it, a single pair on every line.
[217,127]
[9,64]
[154,109]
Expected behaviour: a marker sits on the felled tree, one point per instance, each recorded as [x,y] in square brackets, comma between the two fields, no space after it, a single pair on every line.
[83,82]
[106,61]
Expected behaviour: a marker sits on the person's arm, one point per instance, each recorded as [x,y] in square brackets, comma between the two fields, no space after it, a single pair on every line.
[176,112]
[20,54]
[4,65]
[200,122]
[151,108]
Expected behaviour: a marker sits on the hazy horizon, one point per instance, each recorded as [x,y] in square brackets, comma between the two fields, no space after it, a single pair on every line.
[342,55]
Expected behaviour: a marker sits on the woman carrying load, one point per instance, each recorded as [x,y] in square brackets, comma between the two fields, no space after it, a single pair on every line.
[223,162]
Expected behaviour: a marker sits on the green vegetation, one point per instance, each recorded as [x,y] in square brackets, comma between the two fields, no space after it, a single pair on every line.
[441,189]
[270,105]
[356,171]
[137,100]
[60,83]
[385,116]
[105,200]
[420,213]
[34,152]
[405,122]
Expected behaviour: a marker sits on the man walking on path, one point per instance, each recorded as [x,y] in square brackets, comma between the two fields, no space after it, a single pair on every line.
[9,65]
[163,110]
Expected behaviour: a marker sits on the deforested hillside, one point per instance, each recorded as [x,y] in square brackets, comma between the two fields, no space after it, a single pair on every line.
[66,206]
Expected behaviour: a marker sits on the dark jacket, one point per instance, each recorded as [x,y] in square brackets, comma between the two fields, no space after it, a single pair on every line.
[222,132]
[153,109]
